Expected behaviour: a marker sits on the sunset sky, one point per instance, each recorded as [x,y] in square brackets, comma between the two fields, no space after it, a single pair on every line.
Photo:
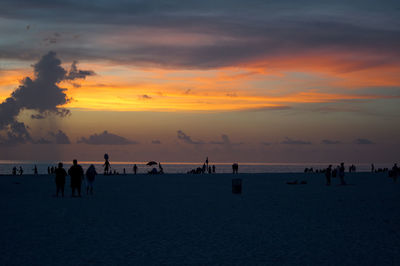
[247,81]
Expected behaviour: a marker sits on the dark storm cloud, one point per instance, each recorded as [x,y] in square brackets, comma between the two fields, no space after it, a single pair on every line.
[58,137]
[362,141]
[187,139]
[290,141]
[40,94]
[239,31]
[106,138]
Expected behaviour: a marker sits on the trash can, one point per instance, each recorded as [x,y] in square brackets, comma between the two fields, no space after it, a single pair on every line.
[237,186]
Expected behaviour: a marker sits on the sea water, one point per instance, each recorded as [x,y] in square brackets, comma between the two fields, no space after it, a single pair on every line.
[181,167]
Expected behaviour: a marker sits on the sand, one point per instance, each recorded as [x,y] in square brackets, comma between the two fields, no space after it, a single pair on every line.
[189,219]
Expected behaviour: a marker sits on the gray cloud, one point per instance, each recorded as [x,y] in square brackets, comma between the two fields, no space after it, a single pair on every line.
[225,141]
[156,141]
[60,137]
[40,94]
[145,97]
[105,138]
[187,139]
[330,142]
[290,141]
[237,31]
[362,141]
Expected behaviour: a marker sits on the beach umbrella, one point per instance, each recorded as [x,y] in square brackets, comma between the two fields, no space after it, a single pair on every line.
[151,163]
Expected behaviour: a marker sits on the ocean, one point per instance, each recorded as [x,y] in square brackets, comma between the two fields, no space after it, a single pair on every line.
[182,167]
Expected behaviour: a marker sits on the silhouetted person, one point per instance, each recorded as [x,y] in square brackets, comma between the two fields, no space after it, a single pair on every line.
[235,168]
[213,169]
[21,171]
[76,173]
[207,162]
[395,172]
[328,175]
[14,171]
[48,169]
[161,169]
[203,169]
[35,171]
[60,179]
[209,169]
[372,168]
[107,167]
[135,169]
[90,176]
[341,174]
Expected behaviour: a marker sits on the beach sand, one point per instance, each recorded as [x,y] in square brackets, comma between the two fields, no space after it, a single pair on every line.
[195,219]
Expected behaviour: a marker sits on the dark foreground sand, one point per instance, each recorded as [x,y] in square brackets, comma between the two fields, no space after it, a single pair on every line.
[187,219]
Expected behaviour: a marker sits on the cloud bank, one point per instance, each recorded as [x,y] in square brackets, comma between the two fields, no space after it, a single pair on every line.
[41,94]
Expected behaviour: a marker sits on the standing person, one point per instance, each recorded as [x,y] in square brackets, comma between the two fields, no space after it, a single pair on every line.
[21,171]
[395,172]
[14,171]
[207,162]
[90,176]
[213,169]
[372,168]
[135,169]
[107,166]
[76,173]
[60,179]
[341,174]
[161,169]
[235,168]
[35,171]
[328,175]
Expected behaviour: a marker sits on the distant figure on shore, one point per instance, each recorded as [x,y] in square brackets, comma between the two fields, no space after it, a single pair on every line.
[35,171]
[107,168]
[76,173]
[213,169]
[341,174]
[161,169]
[207,162]
[48,169]
[123,170]
[235,168]
[203,169]
[135,169]
[209,169]
[372,168]
[14,171]
[328,174]
[395,172]
[60,179]
[21,171]
[90,176]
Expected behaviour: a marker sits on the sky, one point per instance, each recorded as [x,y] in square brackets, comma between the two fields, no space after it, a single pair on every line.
[244,81]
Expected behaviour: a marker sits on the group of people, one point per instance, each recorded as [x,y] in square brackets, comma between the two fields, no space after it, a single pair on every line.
[77,177]
[19,170]
[339,170]
[206,168]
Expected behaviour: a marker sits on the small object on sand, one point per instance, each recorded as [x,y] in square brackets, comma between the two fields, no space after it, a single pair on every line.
[292,182]
[237,186]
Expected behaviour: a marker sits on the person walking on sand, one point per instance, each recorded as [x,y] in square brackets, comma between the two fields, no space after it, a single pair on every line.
[328,175]
[395,172]
[35,171]
[341,174]
[135,169]
[60,179]
[76,173]
[90,176]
